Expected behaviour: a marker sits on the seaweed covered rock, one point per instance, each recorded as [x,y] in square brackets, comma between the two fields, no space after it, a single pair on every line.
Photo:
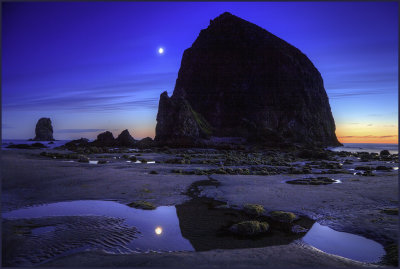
[239,80]
[249,228]
[282,216]
[142,205]
[125,139]
[254,209]
[44,130]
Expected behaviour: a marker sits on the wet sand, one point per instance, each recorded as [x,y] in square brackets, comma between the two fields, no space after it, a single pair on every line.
[353,206]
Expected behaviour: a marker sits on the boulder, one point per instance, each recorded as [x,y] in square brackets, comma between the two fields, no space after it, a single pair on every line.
[145,143]
[105,139]
[249,228]
[254,209]
[74,144]
[384,152]
[239,80]
[125,139]
[83,159]
[44,130]
[283,216]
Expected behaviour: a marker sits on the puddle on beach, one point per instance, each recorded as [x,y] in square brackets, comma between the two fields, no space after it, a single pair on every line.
[312,181]
[146,221]
[196,226]
[42,230]
[344,244]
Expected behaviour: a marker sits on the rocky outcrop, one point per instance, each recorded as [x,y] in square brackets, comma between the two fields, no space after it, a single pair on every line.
[239,80]
[75,144]
[178,123]
[125,139]
[146,142]
[105,139]
[44,130]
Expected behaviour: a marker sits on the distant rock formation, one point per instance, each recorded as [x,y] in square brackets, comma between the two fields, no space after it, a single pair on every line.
[105,139]
[125,139]
[78,143]
[146,142]
[44,130]
[239,80]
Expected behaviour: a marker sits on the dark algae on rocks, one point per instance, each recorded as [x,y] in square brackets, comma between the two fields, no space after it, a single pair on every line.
[239,80]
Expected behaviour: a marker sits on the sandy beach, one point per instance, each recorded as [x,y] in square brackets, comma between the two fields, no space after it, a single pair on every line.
[356,205]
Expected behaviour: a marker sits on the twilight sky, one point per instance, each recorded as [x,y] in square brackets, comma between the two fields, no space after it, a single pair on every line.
[95,66]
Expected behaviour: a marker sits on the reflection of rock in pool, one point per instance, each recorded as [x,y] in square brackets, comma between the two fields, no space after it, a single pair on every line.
[314,181]
[207,227]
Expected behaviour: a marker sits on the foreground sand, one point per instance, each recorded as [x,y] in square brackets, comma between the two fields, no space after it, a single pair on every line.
[354,206]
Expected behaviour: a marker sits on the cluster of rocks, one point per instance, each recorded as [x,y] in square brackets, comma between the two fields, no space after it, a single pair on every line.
[106,140]
[260,226]
[27,146]
[384,155]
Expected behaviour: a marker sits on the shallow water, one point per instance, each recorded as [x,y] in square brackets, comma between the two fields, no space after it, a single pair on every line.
[7,142]
[43,230]
[344,244]
[160,229]
[146,221]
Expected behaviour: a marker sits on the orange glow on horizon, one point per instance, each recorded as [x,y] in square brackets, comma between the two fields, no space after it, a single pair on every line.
[363,133]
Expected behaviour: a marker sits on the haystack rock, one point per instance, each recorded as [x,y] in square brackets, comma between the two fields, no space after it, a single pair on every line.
[125,139]
[44,130]
[239,80]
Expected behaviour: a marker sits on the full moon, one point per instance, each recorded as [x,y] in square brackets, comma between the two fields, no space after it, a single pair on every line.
[161,50]
[158,230]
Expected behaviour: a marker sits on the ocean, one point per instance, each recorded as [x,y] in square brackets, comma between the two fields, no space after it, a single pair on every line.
[7,142]
[367,147]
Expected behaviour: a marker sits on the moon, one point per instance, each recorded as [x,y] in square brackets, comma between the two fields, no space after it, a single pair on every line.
[158,230]
[161,50]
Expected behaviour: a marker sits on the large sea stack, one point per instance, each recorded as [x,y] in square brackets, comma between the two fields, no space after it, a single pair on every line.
[44,130]
[239,80]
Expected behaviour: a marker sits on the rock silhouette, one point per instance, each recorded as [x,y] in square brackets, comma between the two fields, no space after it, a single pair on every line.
[125,139]
[44,130]
[239,80]
[105,139]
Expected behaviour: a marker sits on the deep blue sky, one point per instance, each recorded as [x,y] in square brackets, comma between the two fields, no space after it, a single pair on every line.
[94,66]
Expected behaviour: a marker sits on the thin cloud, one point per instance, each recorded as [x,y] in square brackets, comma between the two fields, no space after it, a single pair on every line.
[141,92]
[368,136]
[353,93]
[69,131]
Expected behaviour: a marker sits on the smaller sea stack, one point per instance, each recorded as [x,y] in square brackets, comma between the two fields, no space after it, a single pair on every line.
[44,130]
